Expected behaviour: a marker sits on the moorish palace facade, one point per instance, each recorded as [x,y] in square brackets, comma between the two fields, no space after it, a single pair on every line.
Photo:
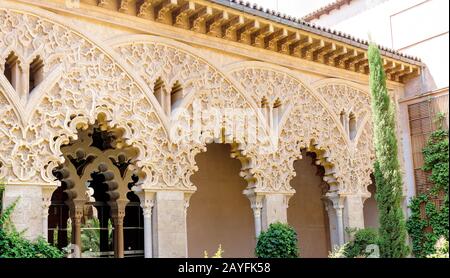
[181,125]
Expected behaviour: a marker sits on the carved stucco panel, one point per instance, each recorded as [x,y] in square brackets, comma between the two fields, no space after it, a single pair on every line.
[312,122]
[89,83]
[204,86]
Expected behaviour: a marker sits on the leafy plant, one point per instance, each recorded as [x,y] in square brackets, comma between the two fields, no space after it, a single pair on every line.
[361,239]
[338,252]
[441,248]
[14,245]
[428,222]
[392,231]
[279,241]
[217,255]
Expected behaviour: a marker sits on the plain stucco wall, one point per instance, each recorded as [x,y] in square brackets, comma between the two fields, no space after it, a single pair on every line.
[219,213]
[415,27]
[306,212]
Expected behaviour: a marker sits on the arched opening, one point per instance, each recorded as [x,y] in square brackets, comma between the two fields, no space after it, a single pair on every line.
[343,119]
[306,212]
[58,219]
[265,109]
[133,224]
[352,126]
[36,73]
[277,114]
[160,92]
[371,208]
[94,209]
[176,96]
[219,213]
[12,70]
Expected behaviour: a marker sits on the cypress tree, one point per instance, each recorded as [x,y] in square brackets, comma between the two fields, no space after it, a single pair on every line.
[387,173]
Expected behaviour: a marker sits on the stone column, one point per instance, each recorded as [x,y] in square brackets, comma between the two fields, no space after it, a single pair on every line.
[147,202]
[47,192]
[76,214]
[118,214]
[169,224]
[256,204]
[118,235]
[353,213]
[148,246]
[336,208]
[333,225]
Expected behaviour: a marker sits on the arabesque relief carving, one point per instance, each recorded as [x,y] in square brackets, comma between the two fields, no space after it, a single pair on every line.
[82,79]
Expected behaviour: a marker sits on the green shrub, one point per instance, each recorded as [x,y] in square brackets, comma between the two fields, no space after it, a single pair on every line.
[14,245]
[441,249]
[338,252]
[357,247]
[279,241]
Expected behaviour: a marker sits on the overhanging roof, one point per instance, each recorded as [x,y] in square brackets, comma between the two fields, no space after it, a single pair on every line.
[249,24]
[336,5]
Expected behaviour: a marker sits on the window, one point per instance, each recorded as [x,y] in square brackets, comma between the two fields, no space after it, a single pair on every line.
[343,120]
[176,96]
[277,113]
[36,73]
[352,126]
[12,70]
[160,93]
[265,109]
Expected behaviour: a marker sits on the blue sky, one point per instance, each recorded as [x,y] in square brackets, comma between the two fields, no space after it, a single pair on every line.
[297,8]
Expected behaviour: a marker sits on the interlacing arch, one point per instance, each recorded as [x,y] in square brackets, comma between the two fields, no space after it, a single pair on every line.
[311,120]
[164,64]
[81,81]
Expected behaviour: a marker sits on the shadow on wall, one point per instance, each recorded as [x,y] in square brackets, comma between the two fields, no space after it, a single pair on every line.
[219,212]
[371,209]
[306,212]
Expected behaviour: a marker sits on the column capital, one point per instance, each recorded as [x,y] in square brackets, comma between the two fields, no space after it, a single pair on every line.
[187,198]
[256,199]
[337,199]
[47,192]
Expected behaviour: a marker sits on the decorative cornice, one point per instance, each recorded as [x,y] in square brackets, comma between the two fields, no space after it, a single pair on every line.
[251,25]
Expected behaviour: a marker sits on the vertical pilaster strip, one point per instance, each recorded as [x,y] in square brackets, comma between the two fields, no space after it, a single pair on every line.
[274,209]
[169,216]
[27,215]
[353,212]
